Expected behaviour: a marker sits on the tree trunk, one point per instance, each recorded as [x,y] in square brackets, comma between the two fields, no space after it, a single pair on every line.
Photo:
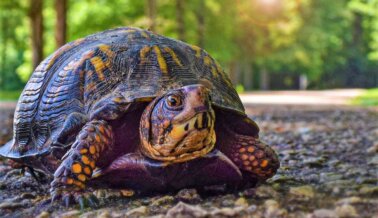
[180,5]
[303,82]
[233,70]
[61,22]
[36,21]
[151,14]
[3,51]
[248,76]
[200,14]
[264,80]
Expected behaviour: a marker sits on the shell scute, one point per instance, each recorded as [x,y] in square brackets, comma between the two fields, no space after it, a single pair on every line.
[109,71]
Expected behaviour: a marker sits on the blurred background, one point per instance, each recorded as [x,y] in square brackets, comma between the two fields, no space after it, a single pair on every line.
[262,44]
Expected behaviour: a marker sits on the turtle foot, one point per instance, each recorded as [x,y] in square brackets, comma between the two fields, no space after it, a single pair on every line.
[68,197]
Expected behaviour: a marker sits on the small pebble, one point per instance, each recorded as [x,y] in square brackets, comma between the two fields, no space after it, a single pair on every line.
[324,213]
[44,214]
[302,191]
[142,210]
[188,196]
[346,210]
[70,214]
[182,209]
[241,202]
[163,200]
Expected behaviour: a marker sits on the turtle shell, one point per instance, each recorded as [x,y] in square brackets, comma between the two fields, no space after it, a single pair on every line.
[122,65]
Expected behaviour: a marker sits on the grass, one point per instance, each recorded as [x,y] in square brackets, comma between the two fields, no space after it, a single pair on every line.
[9,95]
[368,98]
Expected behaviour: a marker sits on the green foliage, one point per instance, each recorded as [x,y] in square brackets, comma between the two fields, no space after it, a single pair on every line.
[334,43]
[9,95]
[368,98]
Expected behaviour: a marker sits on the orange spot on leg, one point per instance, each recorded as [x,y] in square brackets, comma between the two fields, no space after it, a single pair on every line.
[87,171]
[251,149]
[92,149]
[83,151]
[244,157]
[264,163]
[85,160]
[76,168]
[255,163]
[82,177]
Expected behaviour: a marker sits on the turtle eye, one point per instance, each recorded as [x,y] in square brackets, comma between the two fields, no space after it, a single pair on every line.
[174,101]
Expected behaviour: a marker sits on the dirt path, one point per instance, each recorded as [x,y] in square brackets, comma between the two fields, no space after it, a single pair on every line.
[325,97]
[329,168]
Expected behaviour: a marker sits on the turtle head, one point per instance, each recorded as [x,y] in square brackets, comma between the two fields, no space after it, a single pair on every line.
[179,125]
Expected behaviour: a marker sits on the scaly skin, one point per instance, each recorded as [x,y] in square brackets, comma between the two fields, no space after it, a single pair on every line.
[80,161]
[254,157]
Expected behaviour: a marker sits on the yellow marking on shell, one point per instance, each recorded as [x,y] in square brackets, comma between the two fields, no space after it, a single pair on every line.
[99,65]
[143,53]
[219,68]
[252,158]
[87,171]
[61,51]
[207,60]
[85,160]
[106,49]
[92,149]
[214,72]
[161,60]
[76,168]
[83,151]
[242,150]
[197,50]
[173,55]
[145,34]
[82,177]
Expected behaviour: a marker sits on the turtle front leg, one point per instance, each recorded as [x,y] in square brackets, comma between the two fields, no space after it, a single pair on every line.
[79,162]
[253,157]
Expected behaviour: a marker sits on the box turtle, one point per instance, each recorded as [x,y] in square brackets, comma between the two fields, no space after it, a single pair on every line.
[130,109]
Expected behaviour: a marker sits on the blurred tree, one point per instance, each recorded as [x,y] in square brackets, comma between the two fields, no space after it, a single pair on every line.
[180,13]
[61,22]
[200,15]
[151,14]
[36,21]
[12,43]
[259,42]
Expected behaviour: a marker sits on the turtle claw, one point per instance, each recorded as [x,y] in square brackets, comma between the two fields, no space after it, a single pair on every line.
[69,198]
[81,201]
[93,201]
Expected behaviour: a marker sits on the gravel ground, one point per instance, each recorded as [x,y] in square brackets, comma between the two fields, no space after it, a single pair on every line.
[329,159]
